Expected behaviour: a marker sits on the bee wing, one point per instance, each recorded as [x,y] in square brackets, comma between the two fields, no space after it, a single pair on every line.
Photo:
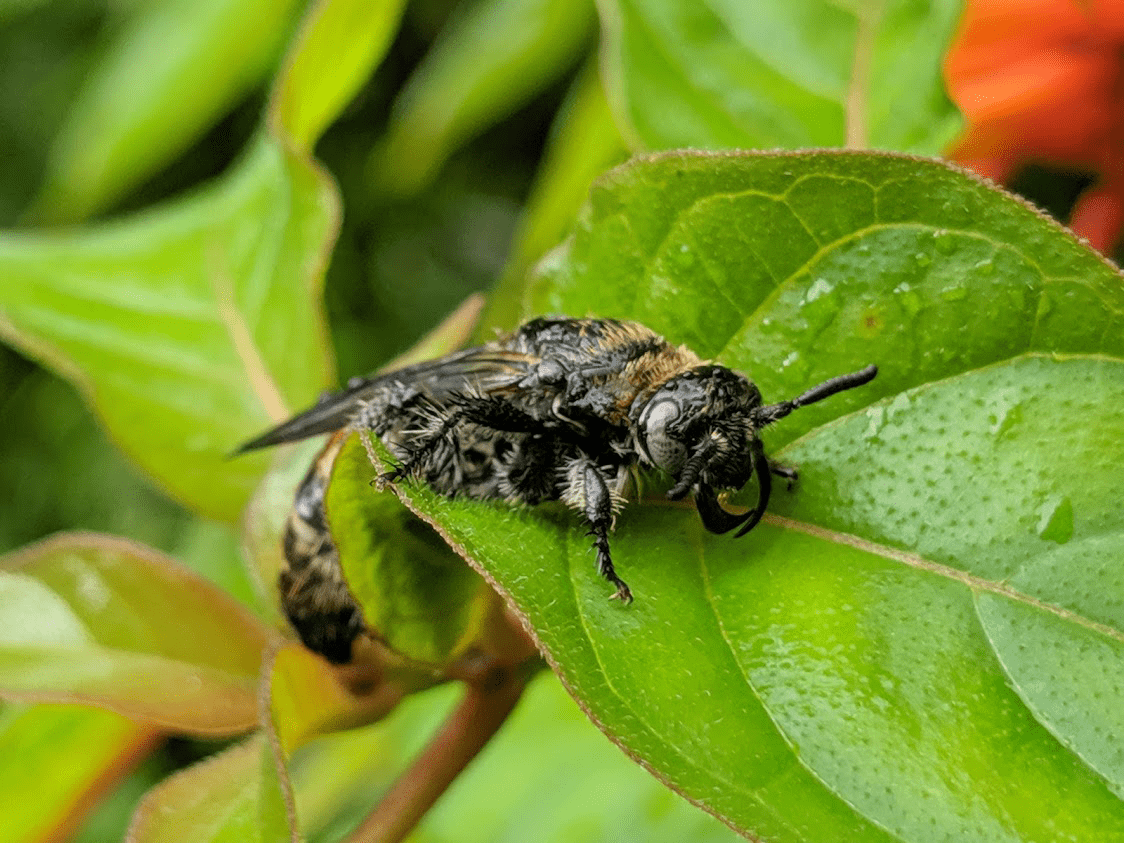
[483,370]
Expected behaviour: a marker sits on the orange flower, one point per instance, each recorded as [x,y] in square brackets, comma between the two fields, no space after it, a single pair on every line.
[1042,81]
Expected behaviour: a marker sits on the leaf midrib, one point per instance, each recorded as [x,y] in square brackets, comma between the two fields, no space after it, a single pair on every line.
[975,583]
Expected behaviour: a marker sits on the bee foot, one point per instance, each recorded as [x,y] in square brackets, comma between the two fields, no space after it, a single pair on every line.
[389,478]
[623,593]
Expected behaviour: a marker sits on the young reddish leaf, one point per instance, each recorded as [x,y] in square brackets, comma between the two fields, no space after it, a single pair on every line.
[101,620]
[309,697]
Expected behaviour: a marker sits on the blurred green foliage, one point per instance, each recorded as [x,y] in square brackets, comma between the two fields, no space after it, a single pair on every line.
[459,162]
[73,81]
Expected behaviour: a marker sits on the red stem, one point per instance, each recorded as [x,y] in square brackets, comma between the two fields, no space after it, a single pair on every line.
[479,715]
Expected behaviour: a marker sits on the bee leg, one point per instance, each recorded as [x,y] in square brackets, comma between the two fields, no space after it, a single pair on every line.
[598,504]
[605,563]
[486,411]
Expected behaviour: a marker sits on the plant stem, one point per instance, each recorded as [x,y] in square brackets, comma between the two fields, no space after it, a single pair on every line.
[478,716]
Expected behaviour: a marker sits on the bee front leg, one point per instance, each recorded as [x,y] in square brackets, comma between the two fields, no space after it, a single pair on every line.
[587,488]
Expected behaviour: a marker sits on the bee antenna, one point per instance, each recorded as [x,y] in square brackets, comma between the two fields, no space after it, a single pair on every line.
[770,413]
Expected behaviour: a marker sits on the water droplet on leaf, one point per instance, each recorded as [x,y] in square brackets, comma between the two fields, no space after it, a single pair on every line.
[1055,521]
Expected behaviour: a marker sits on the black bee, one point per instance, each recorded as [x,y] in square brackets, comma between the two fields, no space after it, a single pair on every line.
[561,409]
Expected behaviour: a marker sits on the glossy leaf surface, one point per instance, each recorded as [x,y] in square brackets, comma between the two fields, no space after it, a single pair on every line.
[919,643]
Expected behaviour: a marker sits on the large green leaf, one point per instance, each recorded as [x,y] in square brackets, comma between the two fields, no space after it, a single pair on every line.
[100,620]
[921,643]
[794,267]
[191,326]
[178,323]
[726,73]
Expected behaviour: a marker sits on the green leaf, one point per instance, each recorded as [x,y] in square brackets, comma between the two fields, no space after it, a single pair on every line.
[584,142]
[177,325]
[723,73]
[920,643]
[340,43]
[547,776]
[173,69]
[550,776]
[794,267]
[193,326]
[309,697]
[419,596]
[485,66]
[55,759]
[234,797]
[100,620]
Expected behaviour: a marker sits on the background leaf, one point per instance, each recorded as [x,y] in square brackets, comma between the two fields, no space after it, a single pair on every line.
[584,142]
[200,57]
[55,760]
[339,45]
[234,796]
[723,73]
[309,697]
[574,786]
[190,327]
[100,620]
[484,66]
[179,323]
[860,659]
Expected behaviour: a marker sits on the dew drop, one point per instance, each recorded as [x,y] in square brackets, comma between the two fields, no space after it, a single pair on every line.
[910,300]
[944,241]
[877,417]
[922,259]
[820,287]
[1055,520]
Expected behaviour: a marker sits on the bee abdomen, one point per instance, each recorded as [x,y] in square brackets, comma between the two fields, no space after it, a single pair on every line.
[314,593]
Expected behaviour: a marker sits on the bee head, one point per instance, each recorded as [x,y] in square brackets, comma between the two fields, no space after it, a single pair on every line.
[699,427]
[702,428]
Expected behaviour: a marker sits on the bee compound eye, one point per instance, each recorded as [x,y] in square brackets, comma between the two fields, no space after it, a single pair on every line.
[665,449]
